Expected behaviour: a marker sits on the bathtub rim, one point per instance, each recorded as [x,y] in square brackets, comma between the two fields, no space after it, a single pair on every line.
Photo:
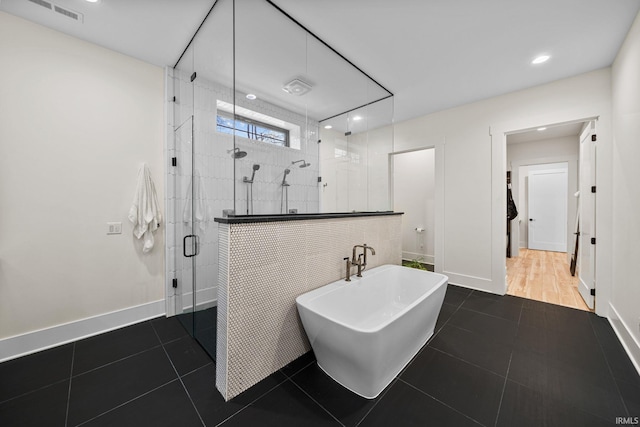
[307,298]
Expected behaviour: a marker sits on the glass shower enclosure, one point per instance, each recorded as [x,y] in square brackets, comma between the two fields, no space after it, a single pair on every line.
[265,119]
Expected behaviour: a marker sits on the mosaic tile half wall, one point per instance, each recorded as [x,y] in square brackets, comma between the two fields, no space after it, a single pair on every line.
[264,267]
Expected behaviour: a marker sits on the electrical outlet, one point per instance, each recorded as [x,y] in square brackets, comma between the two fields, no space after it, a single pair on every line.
[114,228]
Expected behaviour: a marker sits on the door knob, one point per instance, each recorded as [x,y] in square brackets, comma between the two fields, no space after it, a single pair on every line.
[531,219]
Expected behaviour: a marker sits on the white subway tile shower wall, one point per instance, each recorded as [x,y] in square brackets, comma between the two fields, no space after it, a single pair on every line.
[214,167]
[269,265]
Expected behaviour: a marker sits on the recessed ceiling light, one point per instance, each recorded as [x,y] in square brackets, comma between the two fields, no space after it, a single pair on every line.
[540,59]
[356,118]
[328,127]
[541,129]
[93,1]
[251,96]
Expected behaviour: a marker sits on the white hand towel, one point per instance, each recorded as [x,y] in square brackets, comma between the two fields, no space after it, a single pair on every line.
[144,212]
[202,213]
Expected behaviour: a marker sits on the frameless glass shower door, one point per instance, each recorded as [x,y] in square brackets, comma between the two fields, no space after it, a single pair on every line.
[203,170]
[193,216]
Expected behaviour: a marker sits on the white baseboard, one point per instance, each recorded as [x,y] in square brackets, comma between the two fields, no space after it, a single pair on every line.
[426,259]
[205,298]
[629,342]
[31,342]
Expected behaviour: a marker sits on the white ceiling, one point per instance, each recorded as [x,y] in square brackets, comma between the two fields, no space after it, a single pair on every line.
[155,31]
[432,54]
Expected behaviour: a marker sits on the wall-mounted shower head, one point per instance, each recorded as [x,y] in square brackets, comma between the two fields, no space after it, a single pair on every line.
[303,165]
[256,167]
[237,153]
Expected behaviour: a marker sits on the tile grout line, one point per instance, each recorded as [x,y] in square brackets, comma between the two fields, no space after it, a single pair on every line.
[126,403]
[469,363]
[504,388]
[73,357]
[440,402]
[441,327]
[287,378]
[506,376]
[606,359]
[178,375]
[197,369]
[435,333]
[561,401]
[316,402]
[253,401]
[486,314]
[236,413]
[296,372]
[118,360]
[33,391]
[379,398]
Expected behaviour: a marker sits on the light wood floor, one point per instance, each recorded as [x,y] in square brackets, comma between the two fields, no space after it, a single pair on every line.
[543,276]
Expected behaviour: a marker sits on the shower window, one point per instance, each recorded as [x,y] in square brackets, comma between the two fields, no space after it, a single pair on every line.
[251,129]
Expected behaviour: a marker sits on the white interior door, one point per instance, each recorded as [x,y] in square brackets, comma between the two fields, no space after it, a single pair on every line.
[587,249]
[548,210]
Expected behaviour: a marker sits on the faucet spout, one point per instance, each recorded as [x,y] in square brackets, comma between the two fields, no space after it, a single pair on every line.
[361,260]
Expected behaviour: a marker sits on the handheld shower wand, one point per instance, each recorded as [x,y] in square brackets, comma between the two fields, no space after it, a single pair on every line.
[250,181]
[255,167]
[284,178]
[284,197]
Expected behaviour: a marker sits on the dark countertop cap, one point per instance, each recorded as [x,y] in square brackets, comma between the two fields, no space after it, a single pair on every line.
[243,219]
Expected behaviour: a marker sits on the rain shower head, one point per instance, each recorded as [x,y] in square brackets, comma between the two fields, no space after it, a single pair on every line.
[303,165]
[237,153]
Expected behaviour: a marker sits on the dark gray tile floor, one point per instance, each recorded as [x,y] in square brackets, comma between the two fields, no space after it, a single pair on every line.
[493,361]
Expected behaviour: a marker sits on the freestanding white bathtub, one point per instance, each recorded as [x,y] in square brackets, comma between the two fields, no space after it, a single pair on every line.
[364,332]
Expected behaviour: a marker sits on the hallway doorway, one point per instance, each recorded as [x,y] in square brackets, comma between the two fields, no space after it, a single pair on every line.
[412,176]
[543,276]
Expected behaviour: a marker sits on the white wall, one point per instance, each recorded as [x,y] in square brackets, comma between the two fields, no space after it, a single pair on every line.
[77,122]
[472,143]
[542,152]
[626,194]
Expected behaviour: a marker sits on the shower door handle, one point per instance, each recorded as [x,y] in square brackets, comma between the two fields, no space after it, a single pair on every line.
[195,245]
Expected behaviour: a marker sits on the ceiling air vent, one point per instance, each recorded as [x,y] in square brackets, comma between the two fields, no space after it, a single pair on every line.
[68,13]
[42,3]
[297,87]
[76,16]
